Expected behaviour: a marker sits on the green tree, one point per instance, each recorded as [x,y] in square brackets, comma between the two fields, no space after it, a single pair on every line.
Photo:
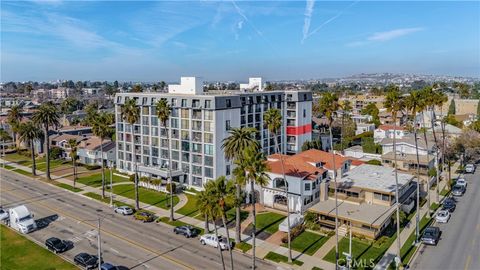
[72,143]
[394,104]
[307,145]
[4,137]
[102,129]
[273,120]
[346,108]
[46,116]
[234,146]
[374,162]
[131,114]
[163,113]
[254,164]
[452,109]
[372,110]
[14,117]
[137,88]
[28,133]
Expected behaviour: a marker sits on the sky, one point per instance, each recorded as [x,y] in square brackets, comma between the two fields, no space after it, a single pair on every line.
[234,40]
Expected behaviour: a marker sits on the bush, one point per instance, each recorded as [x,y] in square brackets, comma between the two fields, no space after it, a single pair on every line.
[131,178]
[293,233]
[174,187]
[92,167]
[55,152]
[374,162]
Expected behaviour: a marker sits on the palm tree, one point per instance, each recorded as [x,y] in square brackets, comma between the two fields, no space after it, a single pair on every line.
[442,99]
[206,202]
[254,165]
[327,106]
[225,197]
[102,129]
[163,113]
[27,133]
[131,114]
[427,96]
[233,146]
[14,116]
[273,120]
[46,116]
[438,100]
[346,108]
[4,136]
[413,103]
[394,103]
[72,143]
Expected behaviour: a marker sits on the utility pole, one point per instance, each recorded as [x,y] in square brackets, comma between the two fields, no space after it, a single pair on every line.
[99,246]
[350,247]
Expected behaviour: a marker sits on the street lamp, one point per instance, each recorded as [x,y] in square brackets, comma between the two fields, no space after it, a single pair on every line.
[99,238]
[350,255]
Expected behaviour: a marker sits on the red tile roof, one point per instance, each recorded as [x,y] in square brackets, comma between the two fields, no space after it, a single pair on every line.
[390,127]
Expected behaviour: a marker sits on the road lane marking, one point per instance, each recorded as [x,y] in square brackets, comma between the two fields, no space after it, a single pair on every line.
[467,264]
[114,250]
[169,258]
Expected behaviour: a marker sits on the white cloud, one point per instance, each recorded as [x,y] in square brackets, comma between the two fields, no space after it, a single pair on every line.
[392,34]
[240,24]
[308,18]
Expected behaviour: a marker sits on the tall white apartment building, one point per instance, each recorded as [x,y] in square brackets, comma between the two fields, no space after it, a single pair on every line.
[199,123]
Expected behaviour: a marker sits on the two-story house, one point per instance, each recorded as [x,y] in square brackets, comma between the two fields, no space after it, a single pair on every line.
[62,141]
[90,151]
[387,131]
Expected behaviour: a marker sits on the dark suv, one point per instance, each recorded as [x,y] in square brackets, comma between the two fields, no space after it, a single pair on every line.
[187,231]
[58,246]
[449,204]
[431,235]
[86,260]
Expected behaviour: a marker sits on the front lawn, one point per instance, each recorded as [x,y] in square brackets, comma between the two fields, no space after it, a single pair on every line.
[190,209]
[20,253]
[308,242]
[244,247]
[95,180]
[155,198]
[268,222]
[358,249]
[272,256]
[53,164]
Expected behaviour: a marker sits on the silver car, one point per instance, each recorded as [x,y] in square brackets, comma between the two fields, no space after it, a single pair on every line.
[442,216]
[124,210]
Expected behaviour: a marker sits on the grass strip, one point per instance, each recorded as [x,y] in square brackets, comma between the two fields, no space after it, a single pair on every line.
[272,256]
[68,187]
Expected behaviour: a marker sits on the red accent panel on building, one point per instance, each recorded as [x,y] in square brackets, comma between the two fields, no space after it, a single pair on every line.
[299,130]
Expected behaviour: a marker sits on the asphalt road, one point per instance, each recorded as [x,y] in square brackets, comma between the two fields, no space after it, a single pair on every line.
[125,241]
[459,246]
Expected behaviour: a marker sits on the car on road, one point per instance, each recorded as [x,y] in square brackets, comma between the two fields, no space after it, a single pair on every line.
[442,216]
[211,240]
[144,216]
[108,266]
[86,260]
[469,168]
[187,231]
[3,214]
[458,190]
[431,235]
[58,246]
[461,182]
[449,204]
[124,210]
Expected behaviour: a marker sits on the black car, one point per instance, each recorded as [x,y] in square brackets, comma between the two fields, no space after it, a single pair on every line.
[431,235]
[58,246]
[187,231]
[449,205]
[86,260]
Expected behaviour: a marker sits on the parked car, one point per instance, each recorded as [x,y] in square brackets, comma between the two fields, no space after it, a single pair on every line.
[458,190]
[449,204]
[58,246]
[187,231]
[86,260]
[108,266]
[124,210]
[431,235]
[469,168]
[442,216]
[211,240]
[461,182]
[144,216]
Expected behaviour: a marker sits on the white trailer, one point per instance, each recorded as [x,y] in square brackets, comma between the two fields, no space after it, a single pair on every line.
[21,219]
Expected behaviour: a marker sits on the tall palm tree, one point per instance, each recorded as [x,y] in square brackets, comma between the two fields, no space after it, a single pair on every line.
[102,129]
[427,94]
[163,113]
[206,202]
[4,137]
[131,114]
[413,103]
[273,120]
[327,106]
[72,143]
[346,108]
[225,198]
[14,116]
[233,146]
[27,133]
[46,116]
[254,164]
[394,103]
[438,100]
[442,99]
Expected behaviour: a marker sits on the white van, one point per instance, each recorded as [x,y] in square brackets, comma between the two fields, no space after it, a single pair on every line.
[21,219]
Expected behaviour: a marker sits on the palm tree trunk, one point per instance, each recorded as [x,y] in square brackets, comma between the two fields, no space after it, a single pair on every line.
[286,195]
[437,152]
[47,151]
[238,233]
[207,227]
[103,168]
[443,146]
[74,171]
[253,223]
[417,221]
[336,198]
[137,206]
[397,199]
[218,244]
[33,157]
[228,239]
[428,160]
[172,218]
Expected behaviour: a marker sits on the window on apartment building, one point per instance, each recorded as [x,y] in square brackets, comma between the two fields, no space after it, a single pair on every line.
[197,170]
[289,97]
[197,181]
[227,170]
[227,125]
[174,123]
[174,165]
[185,135]
[174,112]
[208,126]
[175,155]
[184,103]
[185,124]
[154,121]
[195,103]
[209,149]
[304,113]
[197,147]
[174,102]
[197,125]
[208,115]
[154,151]
[314,185]
[146,130]
[208,104]
[119,99]
[197,159]
[197,136]
[307,186]
[185,146]
[304,96]
[381,196]
[185,167]
[228,103]
[144,101]
[174,133]
[185,113]
[197,114]
[208,172]
[208,161]
[208,137]
[185,157]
